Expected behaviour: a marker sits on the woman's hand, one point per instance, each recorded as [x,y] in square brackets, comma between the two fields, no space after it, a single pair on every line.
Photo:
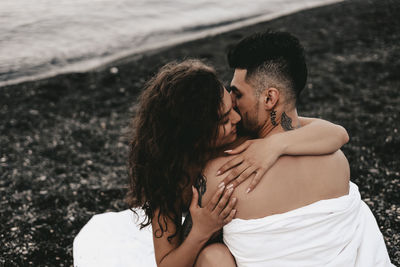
[254,156]
[217,212]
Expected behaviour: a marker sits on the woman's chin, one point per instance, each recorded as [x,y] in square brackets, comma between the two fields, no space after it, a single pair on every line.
[232,139]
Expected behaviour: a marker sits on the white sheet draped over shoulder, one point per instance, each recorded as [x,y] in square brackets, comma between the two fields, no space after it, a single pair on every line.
[114,239]
[334,232]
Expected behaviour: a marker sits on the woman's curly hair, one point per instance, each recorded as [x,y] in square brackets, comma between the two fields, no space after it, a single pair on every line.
[174,130]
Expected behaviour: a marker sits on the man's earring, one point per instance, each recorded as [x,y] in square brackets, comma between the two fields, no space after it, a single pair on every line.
[273,117]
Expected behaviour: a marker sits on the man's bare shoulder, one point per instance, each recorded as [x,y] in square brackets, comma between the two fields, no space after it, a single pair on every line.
[333,163]
[292,182]
[322,177]
[213,165]
[329,163]
[212,179]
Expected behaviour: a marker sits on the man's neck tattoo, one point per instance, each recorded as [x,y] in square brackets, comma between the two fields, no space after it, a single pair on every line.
[273,118]
[286,122]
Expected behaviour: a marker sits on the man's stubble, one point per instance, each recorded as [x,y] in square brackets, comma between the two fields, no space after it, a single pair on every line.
[250,120]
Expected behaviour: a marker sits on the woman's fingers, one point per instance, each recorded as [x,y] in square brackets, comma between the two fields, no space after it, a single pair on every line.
[259,174]
[230,217]
[244,175]
[214,201]
[239,149]
[195,198]
[227,210]
[230,164]
[234,173]
[223,201]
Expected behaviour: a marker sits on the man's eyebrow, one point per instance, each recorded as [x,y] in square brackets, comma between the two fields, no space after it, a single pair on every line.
[233,88]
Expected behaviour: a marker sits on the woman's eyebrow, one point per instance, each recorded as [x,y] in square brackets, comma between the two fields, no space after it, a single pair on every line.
[227,113]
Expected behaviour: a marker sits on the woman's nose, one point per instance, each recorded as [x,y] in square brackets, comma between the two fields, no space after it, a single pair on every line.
[235,117]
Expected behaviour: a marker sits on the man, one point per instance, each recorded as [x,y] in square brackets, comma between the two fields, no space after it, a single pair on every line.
[270,73]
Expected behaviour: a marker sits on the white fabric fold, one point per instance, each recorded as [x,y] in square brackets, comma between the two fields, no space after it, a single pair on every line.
[334,232]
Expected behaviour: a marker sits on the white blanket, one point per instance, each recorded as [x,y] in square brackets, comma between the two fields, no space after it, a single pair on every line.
[114,239]
[335,232]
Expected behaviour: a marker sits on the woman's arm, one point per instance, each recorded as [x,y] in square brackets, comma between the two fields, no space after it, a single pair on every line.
[206,221]
[173,253]
[317,137]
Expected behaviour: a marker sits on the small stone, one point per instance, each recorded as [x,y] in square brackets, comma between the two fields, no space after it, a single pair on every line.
[388,139]
[114,70]
[33,112]
[375,171]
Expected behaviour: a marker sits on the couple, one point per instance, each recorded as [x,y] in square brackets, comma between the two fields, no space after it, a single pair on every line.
[303,211]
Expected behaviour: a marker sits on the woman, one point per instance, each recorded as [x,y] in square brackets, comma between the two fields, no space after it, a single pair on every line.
[182,122]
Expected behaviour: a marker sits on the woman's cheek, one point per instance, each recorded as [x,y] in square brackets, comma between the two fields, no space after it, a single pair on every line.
[222,132]
[227,130]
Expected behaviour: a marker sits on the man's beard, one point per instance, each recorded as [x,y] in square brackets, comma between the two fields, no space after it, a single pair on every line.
[250,124]
[247,126]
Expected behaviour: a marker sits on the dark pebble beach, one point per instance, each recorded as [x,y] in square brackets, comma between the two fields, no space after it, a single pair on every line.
[63,144]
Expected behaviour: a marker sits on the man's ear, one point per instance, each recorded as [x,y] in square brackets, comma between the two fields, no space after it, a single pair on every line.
[271,98]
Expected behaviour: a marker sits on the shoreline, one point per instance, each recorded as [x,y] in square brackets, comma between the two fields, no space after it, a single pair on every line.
[96,64]
[64,143]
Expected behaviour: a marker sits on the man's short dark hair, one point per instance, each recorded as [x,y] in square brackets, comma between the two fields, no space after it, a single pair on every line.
[277,55]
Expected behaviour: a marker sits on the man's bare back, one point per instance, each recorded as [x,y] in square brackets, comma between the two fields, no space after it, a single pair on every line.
[293,182]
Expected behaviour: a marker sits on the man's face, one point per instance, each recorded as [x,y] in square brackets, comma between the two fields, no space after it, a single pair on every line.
[244,98]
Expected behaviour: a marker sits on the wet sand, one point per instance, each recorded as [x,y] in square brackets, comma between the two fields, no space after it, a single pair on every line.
[64,150]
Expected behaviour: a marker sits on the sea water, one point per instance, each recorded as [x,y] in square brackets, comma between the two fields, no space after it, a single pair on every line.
[42,38]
